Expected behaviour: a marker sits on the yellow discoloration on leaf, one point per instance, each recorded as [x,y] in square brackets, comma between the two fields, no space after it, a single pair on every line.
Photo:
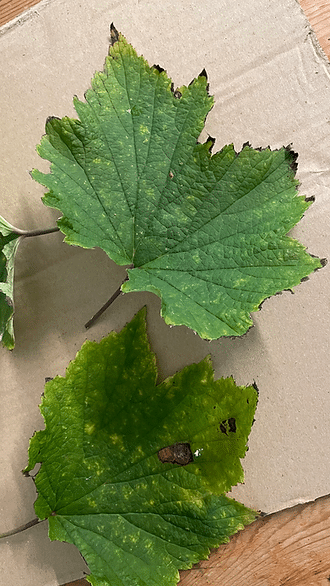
[144,129]
[89,428]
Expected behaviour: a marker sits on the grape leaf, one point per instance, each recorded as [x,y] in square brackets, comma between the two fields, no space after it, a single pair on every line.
[205,233]
[9,241]
[115,479]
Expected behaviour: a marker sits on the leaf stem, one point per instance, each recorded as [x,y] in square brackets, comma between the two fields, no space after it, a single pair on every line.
[106,305]
[22,527]
[28,234]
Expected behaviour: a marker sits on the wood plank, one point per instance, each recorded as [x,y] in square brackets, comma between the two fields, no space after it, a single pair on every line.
[291,547]
[9,9]
[318,14]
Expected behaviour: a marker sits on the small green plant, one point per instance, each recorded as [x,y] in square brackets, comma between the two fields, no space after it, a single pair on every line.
[134,473]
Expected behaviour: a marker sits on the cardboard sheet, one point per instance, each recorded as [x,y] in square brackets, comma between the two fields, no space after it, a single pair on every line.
[271,85]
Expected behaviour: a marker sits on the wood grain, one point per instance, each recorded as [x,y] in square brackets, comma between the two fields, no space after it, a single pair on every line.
[318,14]
[9,9]
[291,548]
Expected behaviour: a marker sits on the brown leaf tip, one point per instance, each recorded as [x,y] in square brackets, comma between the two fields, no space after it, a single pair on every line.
[114,34]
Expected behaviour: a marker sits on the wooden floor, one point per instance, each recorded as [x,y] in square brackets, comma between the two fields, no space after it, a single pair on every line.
[292,547]
[318,14]
[9,9]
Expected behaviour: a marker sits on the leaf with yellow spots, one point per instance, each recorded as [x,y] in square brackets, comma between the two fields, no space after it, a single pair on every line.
[206,233]
[134,473]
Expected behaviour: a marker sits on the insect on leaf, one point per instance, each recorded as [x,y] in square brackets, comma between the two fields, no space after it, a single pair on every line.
[134,473]
[206,233]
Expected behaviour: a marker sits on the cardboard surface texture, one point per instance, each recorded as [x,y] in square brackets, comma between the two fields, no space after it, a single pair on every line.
[271,85]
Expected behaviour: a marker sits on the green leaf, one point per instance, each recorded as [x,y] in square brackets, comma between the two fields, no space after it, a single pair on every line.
[9,241]
[205,233]
[105,482]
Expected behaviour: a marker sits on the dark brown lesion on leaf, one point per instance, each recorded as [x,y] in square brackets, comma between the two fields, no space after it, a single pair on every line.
[210,141]
[179,453]
[292,159]
[176,93]
[228,425]
[158,67]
